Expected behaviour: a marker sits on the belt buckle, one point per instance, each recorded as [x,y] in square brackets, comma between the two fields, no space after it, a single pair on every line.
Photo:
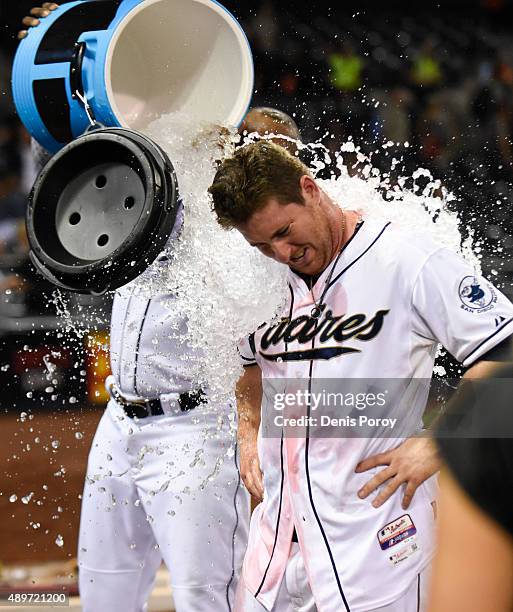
[140,402]
[124,403]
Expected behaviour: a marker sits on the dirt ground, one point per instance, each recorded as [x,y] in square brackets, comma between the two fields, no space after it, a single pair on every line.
[42,465]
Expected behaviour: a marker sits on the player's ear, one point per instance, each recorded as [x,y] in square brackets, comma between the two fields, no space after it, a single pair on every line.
[309,189]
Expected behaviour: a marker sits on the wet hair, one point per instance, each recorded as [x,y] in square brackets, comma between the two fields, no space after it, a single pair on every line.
[257,172]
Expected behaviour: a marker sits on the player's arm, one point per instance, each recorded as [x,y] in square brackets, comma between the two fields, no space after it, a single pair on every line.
[417,459]
[248,393]
[476,339]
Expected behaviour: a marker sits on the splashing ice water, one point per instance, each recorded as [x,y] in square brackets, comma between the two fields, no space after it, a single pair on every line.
[224,288]
[70,326]
[49,365]
[421,207]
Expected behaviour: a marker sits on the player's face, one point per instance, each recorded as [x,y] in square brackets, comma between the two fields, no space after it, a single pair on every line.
[294,234]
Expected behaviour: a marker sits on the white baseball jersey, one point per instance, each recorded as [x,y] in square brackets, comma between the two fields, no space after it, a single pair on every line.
[390,299]
[149,357]
[164,487]
[149,353]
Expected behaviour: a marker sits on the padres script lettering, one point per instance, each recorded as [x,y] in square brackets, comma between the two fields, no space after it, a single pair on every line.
[304,329]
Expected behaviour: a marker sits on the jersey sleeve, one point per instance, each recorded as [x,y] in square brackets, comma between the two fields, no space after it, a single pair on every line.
[246,349]
[459,308]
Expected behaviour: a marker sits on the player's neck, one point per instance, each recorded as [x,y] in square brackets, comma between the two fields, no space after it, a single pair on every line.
[343,225]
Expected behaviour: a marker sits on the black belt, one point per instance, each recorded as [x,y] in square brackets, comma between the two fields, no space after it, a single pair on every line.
[153,407]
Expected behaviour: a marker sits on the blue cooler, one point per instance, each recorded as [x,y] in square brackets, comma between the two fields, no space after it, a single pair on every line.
[130,61]
[104,206]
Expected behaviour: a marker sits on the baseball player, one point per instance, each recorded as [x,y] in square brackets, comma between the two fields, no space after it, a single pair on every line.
[149,493]
[266,121]
[368,305]
[162,481]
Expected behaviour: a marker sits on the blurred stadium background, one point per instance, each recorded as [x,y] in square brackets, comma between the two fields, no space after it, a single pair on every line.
[438,76]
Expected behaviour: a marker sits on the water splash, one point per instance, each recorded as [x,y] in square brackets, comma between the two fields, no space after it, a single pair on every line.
[224,288]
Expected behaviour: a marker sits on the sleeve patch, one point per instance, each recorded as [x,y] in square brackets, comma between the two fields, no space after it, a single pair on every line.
[476,295]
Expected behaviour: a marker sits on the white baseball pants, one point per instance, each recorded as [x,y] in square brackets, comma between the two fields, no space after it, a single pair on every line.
[161,488]
[295,594]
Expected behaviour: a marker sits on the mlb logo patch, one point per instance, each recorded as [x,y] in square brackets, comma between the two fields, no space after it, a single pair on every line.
[404,553]
[396,531]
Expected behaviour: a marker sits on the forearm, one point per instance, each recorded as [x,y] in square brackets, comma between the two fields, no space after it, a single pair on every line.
[249,398]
